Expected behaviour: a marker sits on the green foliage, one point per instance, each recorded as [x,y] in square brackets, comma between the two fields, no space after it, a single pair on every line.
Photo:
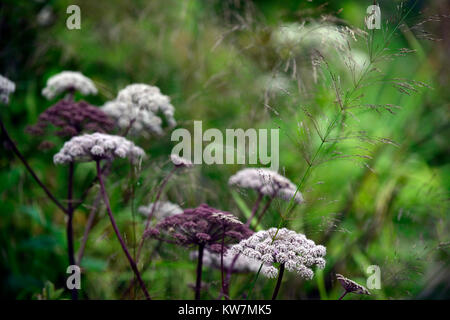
[379,199]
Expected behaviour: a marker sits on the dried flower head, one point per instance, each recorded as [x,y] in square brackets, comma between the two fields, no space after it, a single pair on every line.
[72,118]
[286,247]
[98,146]
[180,162]
[68,81]
[297,36]
[6,88]
[163,209]
[351,286]
[200,226]
[137,107]
[266,182]
[241,265]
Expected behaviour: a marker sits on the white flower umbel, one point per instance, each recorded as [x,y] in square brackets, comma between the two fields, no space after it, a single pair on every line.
[137,106]
[292,249]
[97,146]
[266,182]
[180,162]
[6,88]
[162,210]
[67,81]
[136,120]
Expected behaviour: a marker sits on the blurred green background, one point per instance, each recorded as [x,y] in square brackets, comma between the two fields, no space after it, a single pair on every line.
[217,61]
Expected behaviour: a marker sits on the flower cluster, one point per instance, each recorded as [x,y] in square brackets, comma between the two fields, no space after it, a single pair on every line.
[203,225]
[163,209]
[67,81]
[98,146]
[6,88]
[137,107]
[351,286]
[266,182]
[72,118]
[180,162]
[241,265]
[284,246]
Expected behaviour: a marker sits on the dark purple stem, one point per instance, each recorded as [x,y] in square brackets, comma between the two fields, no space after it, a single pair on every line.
[30,170]
[221,265]
[263,211]
[254,209]
[70,249]
[146,265]
[343,295]
[198,284]
[88,227]
[116,230]
[127,130]
[278,285]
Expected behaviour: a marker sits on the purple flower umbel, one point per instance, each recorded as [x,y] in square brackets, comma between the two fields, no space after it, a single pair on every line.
[71,119]
[204,226]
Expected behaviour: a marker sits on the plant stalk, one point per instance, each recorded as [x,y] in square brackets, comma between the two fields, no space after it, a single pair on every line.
[70,245]
[198,284]
[278,285]
[119,237]
[343,295]
[30,170]
[149,217]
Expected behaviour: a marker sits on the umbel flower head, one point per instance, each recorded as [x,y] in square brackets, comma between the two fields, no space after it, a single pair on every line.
[241,265]
[203,225]
[137,108]
[72,118]
[163,209]
[68,81]
[180,162]
[286,247]
[266,182]
[97,146]
[6,88]
[351,286]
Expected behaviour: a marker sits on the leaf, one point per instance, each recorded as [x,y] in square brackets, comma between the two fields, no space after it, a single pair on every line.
[94,264]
